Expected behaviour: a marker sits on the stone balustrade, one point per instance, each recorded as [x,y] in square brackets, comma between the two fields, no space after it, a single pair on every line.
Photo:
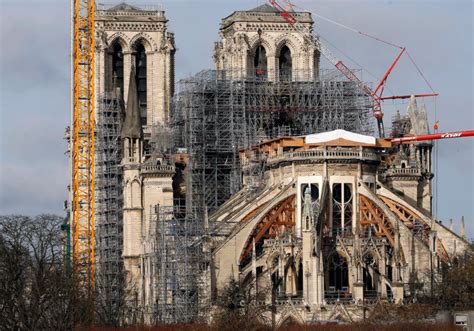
[148,169]
[403,171]
[319,155]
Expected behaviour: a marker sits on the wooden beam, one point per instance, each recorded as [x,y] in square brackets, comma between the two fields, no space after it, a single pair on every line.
[283,214]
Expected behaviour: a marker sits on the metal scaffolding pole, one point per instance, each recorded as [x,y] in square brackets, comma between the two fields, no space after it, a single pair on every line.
[179,264]
[217,116]
[109,203]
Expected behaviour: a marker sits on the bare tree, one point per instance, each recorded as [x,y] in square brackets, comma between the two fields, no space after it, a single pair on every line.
[36,291]
[454,288]
[238,309]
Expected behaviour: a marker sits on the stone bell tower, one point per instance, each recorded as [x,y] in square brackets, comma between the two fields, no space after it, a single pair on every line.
[259,43]
[127,37]
[135,64]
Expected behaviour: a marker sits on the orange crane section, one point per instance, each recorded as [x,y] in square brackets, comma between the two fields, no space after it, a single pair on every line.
[83,239]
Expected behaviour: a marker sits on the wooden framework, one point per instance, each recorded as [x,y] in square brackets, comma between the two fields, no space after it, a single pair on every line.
[370,214]
[279,219]
[253,213]
[409,217]
[83,145]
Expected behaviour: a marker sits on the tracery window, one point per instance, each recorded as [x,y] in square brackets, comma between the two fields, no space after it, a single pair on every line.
[286,64]
[338,274]
[309,204]
[260,62]
[370,274]
[117,67]
[342,208]
[141,68]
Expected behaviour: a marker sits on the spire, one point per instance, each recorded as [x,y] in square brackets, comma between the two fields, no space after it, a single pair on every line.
[132,127]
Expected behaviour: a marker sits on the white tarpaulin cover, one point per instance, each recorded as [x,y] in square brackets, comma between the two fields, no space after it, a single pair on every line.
[321,138]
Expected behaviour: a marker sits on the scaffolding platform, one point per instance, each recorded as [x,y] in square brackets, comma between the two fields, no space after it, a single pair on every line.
[214,117]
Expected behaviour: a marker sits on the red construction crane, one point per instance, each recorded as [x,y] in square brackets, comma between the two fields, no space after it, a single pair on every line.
[435,136]
[376,94]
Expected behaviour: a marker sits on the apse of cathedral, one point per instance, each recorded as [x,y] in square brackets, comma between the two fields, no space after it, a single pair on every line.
[302,204]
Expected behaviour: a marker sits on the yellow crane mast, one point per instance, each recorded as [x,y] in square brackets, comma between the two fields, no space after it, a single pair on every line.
[83,240]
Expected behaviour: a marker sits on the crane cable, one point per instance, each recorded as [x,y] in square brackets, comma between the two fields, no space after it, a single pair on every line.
[436,161]
[290,4]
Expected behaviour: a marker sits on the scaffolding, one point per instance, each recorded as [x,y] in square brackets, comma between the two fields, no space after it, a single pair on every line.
[214,117]
[181,261]
[109,203]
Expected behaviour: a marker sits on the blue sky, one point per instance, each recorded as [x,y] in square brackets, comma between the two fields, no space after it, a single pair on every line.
[35,82]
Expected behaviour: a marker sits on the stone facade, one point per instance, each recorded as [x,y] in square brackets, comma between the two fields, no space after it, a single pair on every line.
[326,226]
[135,60]
[325,233]
[130,27]
[247,36]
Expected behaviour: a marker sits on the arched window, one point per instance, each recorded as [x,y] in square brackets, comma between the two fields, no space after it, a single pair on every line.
[370,275]
[117,67]
[342,208]
[338,274]
[260,62]
[136,194]
[141,67]
[299,284]
[286,64]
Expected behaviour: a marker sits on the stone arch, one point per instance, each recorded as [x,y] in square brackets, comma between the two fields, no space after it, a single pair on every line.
[340,313]
[270,222]
[267,42]
[145,40]
[116,70]
[290,268]
[371,249]
[120,38]
[141,61]
[337,272]
[136,189]
[289,318]
[270,259]
[287,40]
[369,274]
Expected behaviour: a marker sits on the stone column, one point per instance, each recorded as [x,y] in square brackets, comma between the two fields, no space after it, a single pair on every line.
[128,59]
[397,285]
[358,284]
[382,286]
[319,295]
[429,159]
[151,64]
[271,68]
[100,61]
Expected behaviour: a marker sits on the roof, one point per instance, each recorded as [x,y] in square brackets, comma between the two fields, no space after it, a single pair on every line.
[124,7]
[132,127]
[330,136]
[266,8]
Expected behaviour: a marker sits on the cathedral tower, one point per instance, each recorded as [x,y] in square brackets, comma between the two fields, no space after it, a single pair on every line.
[132,37]
[135,67]
[259,43]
